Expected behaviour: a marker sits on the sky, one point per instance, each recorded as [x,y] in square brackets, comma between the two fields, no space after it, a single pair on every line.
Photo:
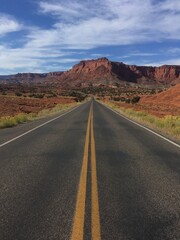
[53,35]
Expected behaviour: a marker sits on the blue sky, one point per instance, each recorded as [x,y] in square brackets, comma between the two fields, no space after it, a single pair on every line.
[53,35]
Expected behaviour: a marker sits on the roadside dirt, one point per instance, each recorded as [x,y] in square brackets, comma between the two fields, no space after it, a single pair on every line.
[11,106]
[161,104]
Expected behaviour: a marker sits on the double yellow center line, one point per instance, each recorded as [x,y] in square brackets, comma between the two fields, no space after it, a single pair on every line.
[79,217]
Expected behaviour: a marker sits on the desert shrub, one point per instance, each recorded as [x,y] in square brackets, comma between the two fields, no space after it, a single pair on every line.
[51,95]
[21,118]
[9,121]
[79,96]
[18,94]
[127,100]
[135,99]
[37,95]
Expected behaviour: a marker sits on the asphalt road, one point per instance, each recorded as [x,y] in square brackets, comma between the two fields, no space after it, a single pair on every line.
[89,174]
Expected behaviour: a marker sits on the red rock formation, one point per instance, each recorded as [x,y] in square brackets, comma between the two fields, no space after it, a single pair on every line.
[169,100]
[26,77]
[54,74]
[103,71]
[167,73]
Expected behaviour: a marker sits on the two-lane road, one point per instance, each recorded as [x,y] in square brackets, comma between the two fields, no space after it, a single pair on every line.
[89,174]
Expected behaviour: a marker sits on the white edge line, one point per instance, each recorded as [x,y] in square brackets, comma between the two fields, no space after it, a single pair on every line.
[33,129]
[159,135]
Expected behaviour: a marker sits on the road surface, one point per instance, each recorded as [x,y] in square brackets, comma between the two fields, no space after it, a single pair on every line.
[88,174]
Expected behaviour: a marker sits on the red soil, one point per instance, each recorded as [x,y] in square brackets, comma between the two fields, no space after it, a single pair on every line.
[10,106]
[164,103]
[161,104]
[170,97]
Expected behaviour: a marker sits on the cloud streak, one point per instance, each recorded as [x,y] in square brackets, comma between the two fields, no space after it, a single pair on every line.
[8,24]
[172,61]
[114,22]
[86,25]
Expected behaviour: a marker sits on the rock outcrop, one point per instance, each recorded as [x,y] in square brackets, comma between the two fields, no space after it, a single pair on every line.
[24,77]
[103,71]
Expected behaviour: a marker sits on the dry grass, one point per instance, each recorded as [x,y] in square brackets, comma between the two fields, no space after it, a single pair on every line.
[169,125]
[9,121]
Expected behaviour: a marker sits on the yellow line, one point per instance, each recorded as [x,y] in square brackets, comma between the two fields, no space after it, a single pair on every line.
[78,224]
[79,217]
[95,219]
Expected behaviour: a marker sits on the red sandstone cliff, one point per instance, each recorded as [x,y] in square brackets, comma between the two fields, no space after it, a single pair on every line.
[103,71]
[106,72]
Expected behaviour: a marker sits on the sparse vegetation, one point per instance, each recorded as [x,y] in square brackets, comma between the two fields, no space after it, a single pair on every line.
[169,125]
[37,95]
[132,100]
[18,94]
[135,99]
[6,122]
[80,96]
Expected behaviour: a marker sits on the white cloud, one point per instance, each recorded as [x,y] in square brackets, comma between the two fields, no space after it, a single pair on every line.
[173,51]
[63,9]
[89,24]
[32,59]
[139,54]
[71,10]
[173,61]
[82,25]
[8,24]
[99,55]
[173,5]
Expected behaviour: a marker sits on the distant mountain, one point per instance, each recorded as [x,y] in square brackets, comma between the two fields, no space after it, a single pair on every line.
[103,71]
[4,77]
[23,77]
[30,77]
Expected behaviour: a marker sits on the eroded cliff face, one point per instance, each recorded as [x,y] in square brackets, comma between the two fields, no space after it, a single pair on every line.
[164,74]
[167,73]
[90,71]
[24,78]
[54,74]
[103,71]
[106,72]
[90,66]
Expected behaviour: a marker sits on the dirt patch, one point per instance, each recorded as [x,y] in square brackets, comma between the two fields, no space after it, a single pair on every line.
[164,103]
[160,105]
[11,106]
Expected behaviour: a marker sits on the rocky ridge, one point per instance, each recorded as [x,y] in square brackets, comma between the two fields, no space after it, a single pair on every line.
[103,71]
[106,72]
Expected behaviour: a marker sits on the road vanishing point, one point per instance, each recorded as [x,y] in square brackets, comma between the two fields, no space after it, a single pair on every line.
[88,174]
